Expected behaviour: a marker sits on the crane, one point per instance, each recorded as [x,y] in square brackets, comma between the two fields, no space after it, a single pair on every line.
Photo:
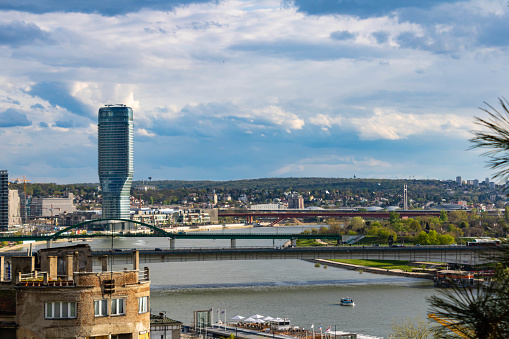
[25,180]
[449,324]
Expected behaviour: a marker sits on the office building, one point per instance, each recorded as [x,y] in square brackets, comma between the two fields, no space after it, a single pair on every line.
[115,150]
[4,200]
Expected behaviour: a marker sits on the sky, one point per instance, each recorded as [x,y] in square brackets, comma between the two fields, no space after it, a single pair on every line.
[231,89]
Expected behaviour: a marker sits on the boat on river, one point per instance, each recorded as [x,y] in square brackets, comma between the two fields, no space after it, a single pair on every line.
[347,302]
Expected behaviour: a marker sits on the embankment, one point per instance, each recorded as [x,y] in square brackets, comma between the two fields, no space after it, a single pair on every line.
[374,270]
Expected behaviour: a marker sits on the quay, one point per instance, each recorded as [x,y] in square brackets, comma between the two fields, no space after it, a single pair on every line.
[241,332]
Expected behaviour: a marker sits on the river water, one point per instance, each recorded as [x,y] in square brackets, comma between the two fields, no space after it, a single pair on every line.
[292,289]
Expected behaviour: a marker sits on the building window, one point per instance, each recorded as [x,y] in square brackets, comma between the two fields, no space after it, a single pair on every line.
[117,306]
[143,304]
[101,308]
[61,310]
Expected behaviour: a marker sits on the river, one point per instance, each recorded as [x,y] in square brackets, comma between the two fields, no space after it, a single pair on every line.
[292,289]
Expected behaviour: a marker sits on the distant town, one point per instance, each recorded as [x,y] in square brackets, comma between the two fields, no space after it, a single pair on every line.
[186,203]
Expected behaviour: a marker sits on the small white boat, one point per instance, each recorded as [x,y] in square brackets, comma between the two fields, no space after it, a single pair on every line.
[347,302]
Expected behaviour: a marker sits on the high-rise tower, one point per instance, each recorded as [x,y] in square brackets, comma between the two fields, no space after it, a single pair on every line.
[115,145]
[4,200]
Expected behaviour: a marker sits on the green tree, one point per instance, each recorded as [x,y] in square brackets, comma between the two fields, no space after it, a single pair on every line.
[443,216]
[481,312]
[411,329]
[494,137]
[393,217]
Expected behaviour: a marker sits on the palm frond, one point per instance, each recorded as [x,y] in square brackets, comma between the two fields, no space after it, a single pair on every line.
[494,136]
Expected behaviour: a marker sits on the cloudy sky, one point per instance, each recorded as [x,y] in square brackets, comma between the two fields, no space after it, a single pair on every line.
[231,89]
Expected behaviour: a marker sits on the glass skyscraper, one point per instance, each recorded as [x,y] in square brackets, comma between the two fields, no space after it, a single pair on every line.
[115,145]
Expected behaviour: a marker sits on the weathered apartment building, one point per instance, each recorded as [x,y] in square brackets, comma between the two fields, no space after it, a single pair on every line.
[57,295]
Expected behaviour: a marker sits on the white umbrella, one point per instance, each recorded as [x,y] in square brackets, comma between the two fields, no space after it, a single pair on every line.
[278,320]
[259,321]
[249,320]
[257,316]
[268,318]
[238,317]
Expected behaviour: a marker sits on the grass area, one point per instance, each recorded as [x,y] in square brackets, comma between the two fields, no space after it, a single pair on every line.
[384,264]
[308,242]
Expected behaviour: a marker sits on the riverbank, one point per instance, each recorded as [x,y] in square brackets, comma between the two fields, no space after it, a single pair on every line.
[27,244]
[374,270]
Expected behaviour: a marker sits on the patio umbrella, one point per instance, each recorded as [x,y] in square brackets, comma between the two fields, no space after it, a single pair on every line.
[259,321]
[238,317]
[257,316]
[278,320]
[268,318]
[249,320]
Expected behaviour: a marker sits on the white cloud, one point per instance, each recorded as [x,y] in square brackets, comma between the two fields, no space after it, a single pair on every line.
[278,116]
[392,125]
[261,68]
[332,166]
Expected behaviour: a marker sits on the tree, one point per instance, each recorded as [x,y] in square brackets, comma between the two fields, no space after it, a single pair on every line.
[494,137]
[411,329]
[393,217]
[443,216]
[481,312]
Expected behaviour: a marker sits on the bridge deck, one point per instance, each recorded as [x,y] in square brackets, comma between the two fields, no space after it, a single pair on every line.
[447,254]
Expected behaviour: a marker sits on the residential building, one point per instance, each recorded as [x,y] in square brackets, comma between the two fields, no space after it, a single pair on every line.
[115,152]
[14,208]
[70,219]
[4,200]
[295,201]
[196,217]
[268,207]
[458,180]
[64,298]
[23,207]
[212,198]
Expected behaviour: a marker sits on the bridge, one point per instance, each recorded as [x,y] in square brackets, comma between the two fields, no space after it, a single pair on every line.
[280,216]
[68,233]
[446,254]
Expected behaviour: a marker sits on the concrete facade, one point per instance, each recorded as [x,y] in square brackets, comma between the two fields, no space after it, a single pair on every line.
[67,300]
[52,207]
[295,201]
[14,208]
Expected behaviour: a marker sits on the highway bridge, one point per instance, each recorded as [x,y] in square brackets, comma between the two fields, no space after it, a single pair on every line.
[280,215]
[447,254]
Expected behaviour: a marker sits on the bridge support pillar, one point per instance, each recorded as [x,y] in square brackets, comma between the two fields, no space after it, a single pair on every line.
[49,243]
[172,243]
[294,242]
[104,263]
[233,243]
[136,260]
